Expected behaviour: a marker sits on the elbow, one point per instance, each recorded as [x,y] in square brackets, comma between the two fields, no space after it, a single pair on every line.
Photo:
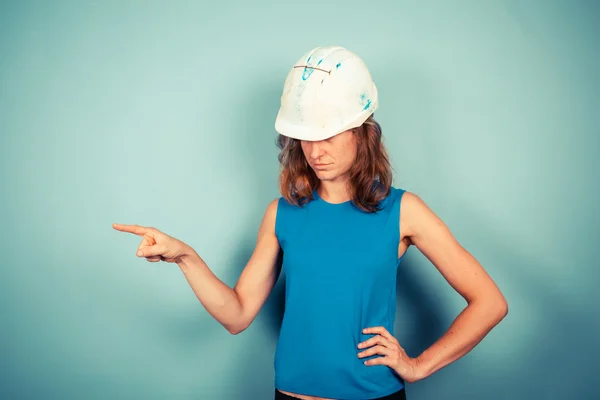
[495,308]
[498,308]
[236,329]
[501,305]
[503,308]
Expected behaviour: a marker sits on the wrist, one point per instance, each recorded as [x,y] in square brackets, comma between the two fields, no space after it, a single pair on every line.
[187,257]
[421,368]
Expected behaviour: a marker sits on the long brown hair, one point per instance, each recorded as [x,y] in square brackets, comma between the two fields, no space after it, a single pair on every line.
[370,176]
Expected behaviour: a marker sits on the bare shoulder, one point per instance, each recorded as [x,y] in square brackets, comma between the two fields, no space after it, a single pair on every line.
[414,214]
[271,212]
[270,216]
[272,207]
[412,203]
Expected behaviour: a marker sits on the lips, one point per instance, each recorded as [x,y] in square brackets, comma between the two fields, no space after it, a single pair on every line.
[320,166]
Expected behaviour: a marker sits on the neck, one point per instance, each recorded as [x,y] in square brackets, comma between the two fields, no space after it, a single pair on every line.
[334,192]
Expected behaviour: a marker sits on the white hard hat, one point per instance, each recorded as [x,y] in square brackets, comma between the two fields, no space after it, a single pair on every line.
[328,91]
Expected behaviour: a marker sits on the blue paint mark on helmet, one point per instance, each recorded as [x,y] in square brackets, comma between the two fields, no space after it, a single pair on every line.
[365,101]
[308,71]
[338,65]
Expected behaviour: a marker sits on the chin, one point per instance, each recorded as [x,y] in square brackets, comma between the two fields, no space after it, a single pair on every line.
[325,175]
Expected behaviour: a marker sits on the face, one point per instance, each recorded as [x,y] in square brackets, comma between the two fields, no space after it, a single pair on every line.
[331,158]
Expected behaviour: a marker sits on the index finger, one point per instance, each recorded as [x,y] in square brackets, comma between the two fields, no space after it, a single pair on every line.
[381,331]
[135,229]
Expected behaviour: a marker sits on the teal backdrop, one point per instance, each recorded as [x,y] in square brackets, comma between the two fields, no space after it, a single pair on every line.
[162,114]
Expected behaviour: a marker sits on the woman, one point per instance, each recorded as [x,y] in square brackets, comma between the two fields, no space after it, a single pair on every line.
[339,230]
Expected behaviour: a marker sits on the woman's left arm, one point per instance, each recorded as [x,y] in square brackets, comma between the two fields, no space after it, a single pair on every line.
[486,306]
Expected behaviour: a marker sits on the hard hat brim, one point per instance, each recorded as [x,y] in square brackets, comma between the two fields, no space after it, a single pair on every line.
[320,133]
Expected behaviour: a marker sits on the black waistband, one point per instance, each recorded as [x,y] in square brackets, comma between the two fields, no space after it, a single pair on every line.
[399,395]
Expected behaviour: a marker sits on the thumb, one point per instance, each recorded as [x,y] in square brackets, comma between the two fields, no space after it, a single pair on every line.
[150,251]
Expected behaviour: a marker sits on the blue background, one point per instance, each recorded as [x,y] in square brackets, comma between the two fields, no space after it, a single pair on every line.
[162,114]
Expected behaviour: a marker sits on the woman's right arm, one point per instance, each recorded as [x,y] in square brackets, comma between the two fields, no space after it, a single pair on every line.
[236,308]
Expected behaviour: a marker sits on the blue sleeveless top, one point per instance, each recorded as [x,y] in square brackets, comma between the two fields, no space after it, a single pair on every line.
[340,265]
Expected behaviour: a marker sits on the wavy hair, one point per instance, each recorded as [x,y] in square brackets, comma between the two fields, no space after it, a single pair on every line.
[370,176]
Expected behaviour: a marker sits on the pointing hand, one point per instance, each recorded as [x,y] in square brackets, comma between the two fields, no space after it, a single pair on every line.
[156,245]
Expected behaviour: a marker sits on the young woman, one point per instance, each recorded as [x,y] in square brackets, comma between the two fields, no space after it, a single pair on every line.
[339,231]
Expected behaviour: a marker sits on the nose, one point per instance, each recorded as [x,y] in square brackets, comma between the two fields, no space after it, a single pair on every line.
[316,150]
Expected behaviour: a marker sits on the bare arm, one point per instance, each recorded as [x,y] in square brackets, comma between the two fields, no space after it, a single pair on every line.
[486,306]
[236,308]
